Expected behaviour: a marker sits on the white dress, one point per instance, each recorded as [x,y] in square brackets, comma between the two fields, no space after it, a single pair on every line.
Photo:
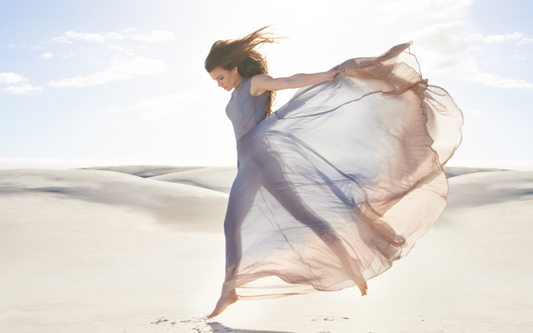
[339,182]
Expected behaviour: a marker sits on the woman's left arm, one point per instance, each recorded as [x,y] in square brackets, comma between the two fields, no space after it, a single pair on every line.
[262,82]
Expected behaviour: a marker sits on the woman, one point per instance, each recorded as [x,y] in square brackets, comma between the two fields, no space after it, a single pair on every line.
[339,182]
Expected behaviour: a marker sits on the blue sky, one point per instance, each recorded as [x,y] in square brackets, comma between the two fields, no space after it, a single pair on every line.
[87,83]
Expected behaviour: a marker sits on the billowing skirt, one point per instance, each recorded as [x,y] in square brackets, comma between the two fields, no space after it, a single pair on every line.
[341,181]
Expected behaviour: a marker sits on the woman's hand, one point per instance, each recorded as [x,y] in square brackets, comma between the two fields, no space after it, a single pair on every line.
[330,75]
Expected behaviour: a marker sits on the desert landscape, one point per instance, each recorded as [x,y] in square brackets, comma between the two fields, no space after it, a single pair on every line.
[141,249]
[118,157]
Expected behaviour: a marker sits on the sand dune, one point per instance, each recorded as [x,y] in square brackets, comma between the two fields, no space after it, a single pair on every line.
[141,249]
[458,171]
[170,203]
[214,178]
[146,170]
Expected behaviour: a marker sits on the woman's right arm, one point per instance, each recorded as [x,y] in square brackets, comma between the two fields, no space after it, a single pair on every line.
[263,82]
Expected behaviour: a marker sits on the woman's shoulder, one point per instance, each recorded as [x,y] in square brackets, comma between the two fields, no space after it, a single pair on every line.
[257,80]
[260,77]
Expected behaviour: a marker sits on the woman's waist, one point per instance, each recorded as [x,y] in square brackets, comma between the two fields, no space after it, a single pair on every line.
[254,130]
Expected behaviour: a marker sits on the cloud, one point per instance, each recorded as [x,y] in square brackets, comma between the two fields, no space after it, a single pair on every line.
[22,46]
[46,55]
[496,39]
[22,89]
[124,51]
[95,38]
[62,39]
[138,66]
[11,78]
[115,48]
[525,41]
[449,46]
[87,37]
[89,80]
[492,80]
[15,78]
[439,46]
[120,69]
[160,108]
[155,37]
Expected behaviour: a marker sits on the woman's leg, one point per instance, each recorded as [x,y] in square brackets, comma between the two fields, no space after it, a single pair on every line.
[273,179]
[240,202]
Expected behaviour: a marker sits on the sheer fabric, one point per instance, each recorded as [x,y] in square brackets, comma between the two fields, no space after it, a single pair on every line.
[339,182]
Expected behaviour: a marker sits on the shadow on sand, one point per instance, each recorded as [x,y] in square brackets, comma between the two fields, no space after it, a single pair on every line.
[219,328]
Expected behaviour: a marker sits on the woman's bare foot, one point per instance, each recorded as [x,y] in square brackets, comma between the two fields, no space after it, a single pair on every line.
[225,300]
[363,287]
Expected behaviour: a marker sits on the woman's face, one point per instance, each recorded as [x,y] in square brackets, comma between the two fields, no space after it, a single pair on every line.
[226,79]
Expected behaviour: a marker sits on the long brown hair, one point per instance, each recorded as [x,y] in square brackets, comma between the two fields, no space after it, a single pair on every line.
[242,53]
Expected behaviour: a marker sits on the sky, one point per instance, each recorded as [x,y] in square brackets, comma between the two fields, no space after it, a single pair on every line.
[99,83]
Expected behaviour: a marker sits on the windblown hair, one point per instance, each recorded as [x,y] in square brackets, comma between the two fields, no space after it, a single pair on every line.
[242,53]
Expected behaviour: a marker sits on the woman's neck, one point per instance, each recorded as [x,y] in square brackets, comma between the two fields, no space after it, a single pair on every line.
[239,80]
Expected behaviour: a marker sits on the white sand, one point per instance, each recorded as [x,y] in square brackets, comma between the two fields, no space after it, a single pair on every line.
[117,249]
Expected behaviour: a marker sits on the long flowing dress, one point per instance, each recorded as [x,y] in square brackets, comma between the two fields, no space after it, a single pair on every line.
[339,182]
